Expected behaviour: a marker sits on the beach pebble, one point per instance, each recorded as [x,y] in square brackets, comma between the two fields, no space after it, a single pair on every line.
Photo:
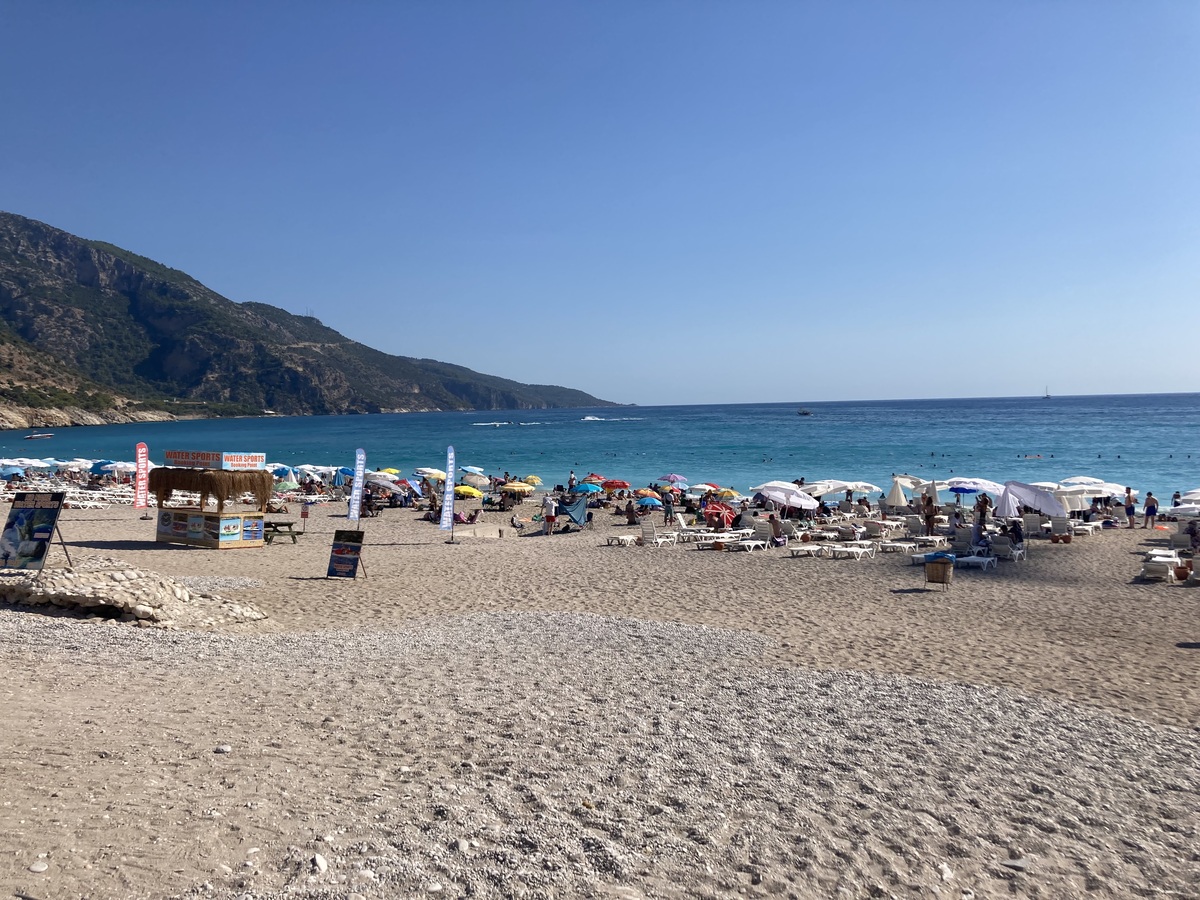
[224,869]
[946,872]
[1017,865]
[38,867]
[320,863]
[222,748]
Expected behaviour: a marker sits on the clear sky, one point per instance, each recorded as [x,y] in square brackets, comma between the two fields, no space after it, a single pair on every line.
[655,202]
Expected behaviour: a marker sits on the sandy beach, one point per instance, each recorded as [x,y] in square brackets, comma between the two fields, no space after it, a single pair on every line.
[536,716]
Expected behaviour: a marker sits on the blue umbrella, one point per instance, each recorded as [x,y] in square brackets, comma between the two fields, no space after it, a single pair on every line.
[586,488]
[98,466]
[649,501]
[474,470]
[415,485]
[11,470]
[285,472]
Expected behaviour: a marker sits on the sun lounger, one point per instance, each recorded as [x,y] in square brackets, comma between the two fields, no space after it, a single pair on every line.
[1159,567]
[897,546]
[848,551]
[622,540]
[810,549]
[979,562]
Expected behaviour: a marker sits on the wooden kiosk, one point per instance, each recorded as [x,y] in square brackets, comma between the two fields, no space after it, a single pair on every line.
[223,476]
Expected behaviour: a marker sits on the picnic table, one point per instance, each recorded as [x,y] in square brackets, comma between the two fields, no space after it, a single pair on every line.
[271,530]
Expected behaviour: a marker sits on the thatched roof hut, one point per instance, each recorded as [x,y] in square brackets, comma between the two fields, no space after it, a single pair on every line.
[222,485]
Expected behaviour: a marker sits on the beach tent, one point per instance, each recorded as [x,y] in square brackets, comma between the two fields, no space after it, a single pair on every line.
[576,512]
[1017,494]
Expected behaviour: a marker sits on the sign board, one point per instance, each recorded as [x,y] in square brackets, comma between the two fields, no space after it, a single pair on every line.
[215,459]
[345,554]
[29,528]
[141,481]
[447,522]
[217,531]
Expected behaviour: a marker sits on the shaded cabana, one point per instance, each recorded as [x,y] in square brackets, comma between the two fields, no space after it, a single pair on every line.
[221,485]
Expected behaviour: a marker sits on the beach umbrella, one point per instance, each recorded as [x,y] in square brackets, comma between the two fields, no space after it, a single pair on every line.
[395,487]
[121,467]
[1186,510]
[478,481]
[1082,479]
[391,471]
[282,471]
[862,487]
[672,478]
[435,474]
[646,492]
[719,512]
[896,496]
[593,478]
[415,486]
[974,486]
[795,498]
[586,488]
[825,486]
[649,501]
[532,479]
[382,476]
[728,494]
[1192,495]
[705,486]
[615,484]
[465,490]
[474,470]
[97,467]
[517,487]
[11,470]
[286,486]
[931,488]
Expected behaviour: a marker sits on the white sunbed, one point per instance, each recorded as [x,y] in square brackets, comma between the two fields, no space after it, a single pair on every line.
[980,562]
[848,551]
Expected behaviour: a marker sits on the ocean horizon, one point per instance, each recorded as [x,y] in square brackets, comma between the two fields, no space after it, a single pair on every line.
[1148,441]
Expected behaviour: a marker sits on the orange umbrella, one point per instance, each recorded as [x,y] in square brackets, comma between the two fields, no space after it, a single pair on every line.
[645,492]
[615,484]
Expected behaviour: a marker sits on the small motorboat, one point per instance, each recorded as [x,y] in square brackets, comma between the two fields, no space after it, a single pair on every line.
[804,412]
[39,435]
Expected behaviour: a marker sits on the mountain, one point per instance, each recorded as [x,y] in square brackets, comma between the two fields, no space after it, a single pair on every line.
[90,327]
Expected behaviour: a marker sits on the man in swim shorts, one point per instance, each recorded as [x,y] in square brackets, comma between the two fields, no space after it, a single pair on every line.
[1151,510]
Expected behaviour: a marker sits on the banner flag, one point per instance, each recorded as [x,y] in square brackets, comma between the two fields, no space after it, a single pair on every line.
[141,484]
[356,490]
[447,522]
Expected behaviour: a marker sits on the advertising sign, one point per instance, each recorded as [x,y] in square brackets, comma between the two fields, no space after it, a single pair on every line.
[345,554]
[141,480]
[356,489]
[30,526]
[447,522]
[214,459]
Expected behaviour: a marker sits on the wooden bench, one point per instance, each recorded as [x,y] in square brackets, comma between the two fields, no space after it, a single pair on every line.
[271,530]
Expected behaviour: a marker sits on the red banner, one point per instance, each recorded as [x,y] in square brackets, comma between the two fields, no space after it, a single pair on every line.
[141,484]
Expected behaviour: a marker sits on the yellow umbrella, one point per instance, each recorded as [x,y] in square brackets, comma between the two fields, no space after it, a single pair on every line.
[531,479]
[645,492]
[465,490]
[728,494]
[392,471]
[517,487]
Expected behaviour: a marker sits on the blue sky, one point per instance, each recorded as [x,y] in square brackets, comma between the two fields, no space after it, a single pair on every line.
[656,202]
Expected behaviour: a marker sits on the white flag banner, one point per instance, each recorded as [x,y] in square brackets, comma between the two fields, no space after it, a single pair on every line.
[447,522]
[356,490]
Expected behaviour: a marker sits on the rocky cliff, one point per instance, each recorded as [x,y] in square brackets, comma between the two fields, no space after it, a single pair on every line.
[89,330]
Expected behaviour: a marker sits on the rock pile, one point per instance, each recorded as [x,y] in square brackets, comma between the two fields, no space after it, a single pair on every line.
[113,591]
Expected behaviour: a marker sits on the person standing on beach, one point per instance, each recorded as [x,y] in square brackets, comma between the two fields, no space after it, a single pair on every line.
[571,481]
[982,505]
[549,513]
[669,507]
[1150,510]
[930,512]
[1130,507]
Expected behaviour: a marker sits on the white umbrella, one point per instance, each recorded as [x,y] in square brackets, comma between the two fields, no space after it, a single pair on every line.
[782,485]
[120,467]
[1191,495]
[1186,510]
[896,496]
[931,488]
[477,481]
[793,497]
[1082,479]
[827,486]
[863,487]
[974,486]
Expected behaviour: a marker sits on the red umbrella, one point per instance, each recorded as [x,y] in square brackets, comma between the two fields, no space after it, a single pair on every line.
[721,512]
[593,478]
[615,484]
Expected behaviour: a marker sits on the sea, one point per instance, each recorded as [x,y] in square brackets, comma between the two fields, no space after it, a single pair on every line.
[1150,442]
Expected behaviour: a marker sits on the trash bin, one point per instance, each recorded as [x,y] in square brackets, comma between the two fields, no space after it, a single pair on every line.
[939,571]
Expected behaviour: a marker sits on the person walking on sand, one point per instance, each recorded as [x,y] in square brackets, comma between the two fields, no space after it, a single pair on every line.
[930,513]
[1150,510]
[1130,507]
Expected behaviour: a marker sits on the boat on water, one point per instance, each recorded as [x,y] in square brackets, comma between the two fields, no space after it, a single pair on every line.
[1046,396]
[39,435]
[804,412]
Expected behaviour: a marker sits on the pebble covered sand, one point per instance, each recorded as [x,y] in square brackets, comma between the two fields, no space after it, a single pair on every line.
[564,753]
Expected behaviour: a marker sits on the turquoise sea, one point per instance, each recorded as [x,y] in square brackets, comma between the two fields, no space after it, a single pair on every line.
[1151,442]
